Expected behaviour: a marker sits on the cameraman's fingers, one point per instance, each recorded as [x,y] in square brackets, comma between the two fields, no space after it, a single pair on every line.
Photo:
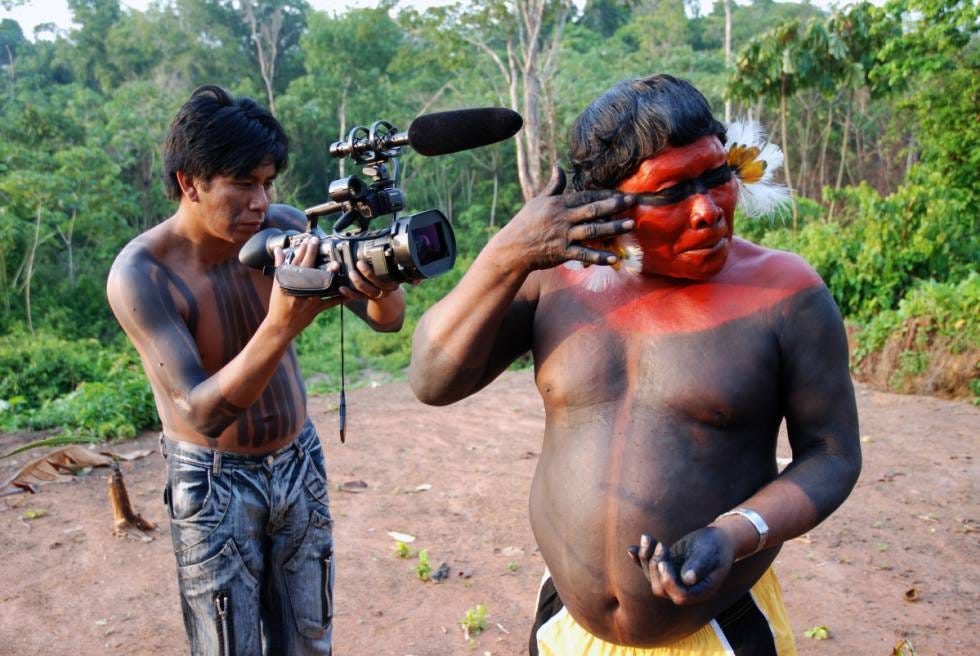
[368,272]
[360,283]
[278,256]
[597,230]
[598,208]
[307,252]
[590,255]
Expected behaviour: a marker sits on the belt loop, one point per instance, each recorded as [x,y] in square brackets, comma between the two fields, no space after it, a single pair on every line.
[216,464]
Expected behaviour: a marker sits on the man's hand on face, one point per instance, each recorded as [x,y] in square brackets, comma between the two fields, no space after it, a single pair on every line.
[551,226]
[689,571]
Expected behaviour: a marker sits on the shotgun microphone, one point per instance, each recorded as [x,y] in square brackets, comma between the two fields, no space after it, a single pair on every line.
[443,133]
[440,133]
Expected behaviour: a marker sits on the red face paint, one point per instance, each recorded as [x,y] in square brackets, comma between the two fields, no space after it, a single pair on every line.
[691,237]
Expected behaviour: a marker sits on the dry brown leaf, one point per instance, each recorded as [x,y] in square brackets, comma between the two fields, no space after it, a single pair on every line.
[56,467]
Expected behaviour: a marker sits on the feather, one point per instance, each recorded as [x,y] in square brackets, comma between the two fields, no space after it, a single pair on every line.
[754,161]
[600,277]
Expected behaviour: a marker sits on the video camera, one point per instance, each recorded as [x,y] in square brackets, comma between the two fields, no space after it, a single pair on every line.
[410,249]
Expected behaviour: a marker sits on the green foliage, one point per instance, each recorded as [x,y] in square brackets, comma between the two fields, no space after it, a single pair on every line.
[886,94]
[402,550]
[40,368]
[820,632]
[423,569]
[80,386]
[475,620]
[945,309]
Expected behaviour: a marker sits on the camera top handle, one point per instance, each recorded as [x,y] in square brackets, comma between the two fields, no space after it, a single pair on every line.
[371,147]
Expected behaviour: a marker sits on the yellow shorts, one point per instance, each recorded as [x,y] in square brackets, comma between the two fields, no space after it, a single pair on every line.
[755,625]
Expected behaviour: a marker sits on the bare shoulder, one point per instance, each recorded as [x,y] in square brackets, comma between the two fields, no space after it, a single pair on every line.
[138,269]
[134,262]
[769,267]
[285,217]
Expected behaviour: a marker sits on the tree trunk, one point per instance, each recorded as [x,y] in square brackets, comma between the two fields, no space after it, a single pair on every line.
[495,171]
[266,42]
[66,238]
[843,157]
[342,122]
[824,142]
[786,168]
[843,146]
[728,54]
[29,272]
[524,72]
[3,276]
[10,71]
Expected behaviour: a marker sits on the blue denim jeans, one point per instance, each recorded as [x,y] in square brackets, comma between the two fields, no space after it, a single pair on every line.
[252,538]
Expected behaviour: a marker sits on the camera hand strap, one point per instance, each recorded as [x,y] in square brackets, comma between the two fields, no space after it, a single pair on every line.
[342,406]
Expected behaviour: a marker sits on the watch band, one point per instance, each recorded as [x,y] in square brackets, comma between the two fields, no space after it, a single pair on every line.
[760,526]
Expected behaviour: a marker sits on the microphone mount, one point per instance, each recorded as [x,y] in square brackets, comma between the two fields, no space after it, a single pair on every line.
[364,145]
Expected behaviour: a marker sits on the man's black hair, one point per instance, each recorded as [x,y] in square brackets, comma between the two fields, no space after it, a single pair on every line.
[632,122]
[215,134]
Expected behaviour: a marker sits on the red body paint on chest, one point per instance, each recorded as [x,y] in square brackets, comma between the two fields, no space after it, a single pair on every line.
[753,281]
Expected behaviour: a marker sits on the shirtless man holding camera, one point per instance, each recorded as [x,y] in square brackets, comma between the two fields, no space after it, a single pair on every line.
[246,485]
[657,503]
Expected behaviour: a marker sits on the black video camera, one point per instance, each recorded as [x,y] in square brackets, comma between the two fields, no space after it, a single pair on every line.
[410,249]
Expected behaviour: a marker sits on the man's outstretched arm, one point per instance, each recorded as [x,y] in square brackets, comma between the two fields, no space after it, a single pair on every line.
[469,337]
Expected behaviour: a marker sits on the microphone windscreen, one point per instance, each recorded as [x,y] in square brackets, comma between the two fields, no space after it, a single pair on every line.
[450,132]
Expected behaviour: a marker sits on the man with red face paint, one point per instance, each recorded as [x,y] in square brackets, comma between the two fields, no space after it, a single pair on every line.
[667,352]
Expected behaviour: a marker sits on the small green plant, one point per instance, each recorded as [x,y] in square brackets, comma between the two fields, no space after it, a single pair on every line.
[423,569]
[512,566]
[474,621]
[402,550]
[817,632]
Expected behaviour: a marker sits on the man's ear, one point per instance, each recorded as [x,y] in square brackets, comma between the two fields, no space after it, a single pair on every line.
[188,186]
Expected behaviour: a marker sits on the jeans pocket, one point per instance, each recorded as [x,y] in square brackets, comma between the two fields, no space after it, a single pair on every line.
[309,577]
[198,503]
[315,476]
[220,603]
[189,488]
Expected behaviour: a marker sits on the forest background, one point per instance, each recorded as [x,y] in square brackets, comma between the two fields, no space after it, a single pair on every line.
[876,108]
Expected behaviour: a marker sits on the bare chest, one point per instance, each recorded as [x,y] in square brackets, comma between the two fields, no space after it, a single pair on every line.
[222,309]
[667,358]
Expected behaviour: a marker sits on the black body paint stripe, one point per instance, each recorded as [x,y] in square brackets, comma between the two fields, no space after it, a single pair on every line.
[682,190]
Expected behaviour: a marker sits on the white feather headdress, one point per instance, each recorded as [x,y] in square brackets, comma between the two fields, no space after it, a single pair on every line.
[599,278]
[753,160]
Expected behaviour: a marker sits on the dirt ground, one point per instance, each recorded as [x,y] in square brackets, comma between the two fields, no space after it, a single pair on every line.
[67,586]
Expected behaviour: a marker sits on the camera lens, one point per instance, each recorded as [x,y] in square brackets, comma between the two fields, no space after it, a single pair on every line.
[429,245]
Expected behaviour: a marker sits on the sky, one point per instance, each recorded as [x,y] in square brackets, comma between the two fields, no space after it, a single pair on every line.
[56,11]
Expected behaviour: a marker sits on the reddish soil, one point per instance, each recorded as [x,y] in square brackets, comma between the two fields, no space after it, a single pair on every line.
[67,586]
